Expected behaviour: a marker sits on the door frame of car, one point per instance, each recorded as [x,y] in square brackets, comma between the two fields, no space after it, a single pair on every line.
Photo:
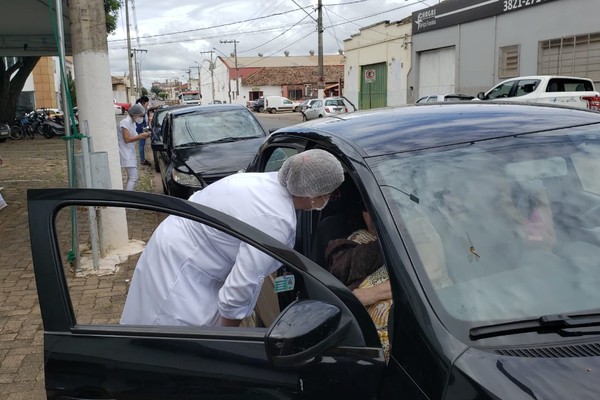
[175,362]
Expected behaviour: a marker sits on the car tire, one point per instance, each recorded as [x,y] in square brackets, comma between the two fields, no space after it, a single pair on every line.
[272,111]
[261,109]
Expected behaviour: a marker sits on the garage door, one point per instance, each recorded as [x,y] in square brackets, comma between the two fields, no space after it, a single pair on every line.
[373,86]
[436,72]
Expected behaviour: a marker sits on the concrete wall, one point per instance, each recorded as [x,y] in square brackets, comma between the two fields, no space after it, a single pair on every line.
[383,42]
[477,43]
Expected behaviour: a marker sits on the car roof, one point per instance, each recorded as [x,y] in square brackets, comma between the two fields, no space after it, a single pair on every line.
[207,107]
[421,126]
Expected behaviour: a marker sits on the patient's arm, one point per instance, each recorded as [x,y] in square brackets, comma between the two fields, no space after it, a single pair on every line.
[373,294]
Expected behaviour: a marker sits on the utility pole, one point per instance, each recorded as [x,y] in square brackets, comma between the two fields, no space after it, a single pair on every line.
[211,68]
[129,53]
[237,71]
[321,81]
[96,113]
[138,72]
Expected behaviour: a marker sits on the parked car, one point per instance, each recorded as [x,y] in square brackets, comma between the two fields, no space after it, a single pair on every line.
[201,144]
[259,105]
[501,303]
[445,97]
[158,115]
[274,104]
[304,105]
[123,107]
[327,107]
[546,89]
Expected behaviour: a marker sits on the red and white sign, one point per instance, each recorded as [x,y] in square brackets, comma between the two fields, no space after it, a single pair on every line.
[370,75]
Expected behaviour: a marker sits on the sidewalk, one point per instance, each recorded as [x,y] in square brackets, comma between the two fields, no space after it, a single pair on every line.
[37,163]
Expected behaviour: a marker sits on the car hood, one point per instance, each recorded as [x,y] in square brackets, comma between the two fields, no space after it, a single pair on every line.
[552,372]
[219,157]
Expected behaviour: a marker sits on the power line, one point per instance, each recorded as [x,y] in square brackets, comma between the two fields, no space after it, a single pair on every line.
[212,27]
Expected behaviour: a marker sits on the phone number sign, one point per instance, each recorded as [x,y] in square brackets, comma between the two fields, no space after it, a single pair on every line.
[451,13]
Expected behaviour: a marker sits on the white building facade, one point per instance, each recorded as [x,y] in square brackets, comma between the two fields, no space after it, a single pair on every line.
[378,60]
[467,46]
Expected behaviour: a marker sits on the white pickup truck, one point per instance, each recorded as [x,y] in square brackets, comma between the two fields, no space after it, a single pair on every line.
[560,90]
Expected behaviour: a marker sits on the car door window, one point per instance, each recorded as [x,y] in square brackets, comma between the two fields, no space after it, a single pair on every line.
[501,91]
[82,306]
[526,86]
[278,157]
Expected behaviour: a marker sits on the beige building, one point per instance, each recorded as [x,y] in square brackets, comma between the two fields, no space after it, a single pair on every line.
[378,60]
[46,81]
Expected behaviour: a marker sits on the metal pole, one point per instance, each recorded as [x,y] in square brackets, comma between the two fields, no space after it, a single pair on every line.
[321,82]
[92,215]
[67,124]
[131,86]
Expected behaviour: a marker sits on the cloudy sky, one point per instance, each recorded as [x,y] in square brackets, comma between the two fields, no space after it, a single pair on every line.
[175,32]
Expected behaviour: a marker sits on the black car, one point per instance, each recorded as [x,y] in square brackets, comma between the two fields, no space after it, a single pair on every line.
[488,218]
[201,144]
[259,105]
[158,115]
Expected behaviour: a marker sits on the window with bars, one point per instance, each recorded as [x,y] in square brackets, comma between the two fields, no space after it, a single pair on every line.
[571,55]
[508,65]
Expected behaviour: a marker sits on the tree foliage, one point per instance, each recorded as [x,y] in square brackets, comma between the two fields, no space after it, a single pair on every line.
[111,8]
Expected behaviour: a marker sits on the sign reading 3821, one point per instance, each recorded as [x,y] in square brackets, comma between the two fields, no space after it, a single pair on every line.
[509,5]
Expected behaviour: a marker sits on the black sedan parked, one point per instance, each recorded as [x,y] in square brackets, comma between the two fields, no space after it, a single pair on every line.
[202,144]
[158,115]
[488,218]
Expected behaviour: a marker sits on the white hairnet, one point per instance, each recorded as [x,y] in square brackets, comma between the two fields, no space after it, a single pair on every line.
[311,173]
[137,109]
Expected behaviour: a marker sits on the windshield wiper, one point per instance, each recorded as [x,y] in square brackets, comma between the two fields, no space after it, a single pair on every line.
[557,323]
[231,139]
[190,144]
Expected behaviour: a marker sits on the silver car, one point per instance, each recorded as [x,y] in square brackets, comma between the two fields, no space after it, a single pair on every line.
[326,107]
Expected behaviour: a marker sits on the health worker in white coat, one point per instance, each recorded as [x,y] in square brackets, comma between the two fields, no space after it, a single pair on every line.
[127,137]
[191,274]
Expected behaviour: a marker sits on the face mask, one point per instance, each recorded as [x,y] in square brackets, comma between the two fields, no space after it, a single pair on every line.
[325,201]
[139,120]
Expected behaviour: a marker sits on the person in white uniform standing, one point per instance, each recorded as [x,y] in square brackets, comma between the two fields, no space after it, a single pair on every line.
[191,274]
[127,137]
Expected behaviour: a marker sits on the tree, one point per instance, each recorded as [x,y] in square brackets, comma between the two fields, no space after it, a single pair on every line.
[156,90]
[144,91]
[14,75]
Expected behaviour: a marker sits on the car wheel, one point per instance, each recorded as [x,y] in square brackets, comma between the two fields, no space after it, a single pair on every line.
[304,117]
[261,109]
[272,111]
[320,116]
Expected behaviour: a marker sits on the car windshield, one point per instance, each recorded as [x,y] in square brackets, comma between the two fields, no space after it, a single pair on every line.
[503,229]
[206,127]
[190,96]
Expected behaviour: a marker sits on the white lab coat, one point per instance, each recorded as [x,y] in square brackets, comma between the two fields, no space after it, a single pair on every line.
[127,150]
[191,274]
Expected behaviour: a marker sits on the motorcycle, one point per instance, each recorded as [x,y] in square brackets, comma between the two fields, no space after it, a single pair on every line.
[51,128]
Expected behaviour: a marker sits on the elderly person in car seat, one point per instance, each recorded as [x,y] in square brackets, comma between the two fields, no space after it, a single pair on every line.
[192,274]
[358,262]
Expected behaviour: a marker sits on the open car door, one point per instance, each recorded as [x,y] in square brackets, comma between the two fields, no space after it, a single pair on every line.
[322,345]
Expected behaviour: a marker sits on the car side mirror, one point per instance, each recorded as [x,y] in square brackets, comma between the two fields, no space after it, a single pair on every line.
[303,331]
[271,130]
[159,146]
[481,95]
